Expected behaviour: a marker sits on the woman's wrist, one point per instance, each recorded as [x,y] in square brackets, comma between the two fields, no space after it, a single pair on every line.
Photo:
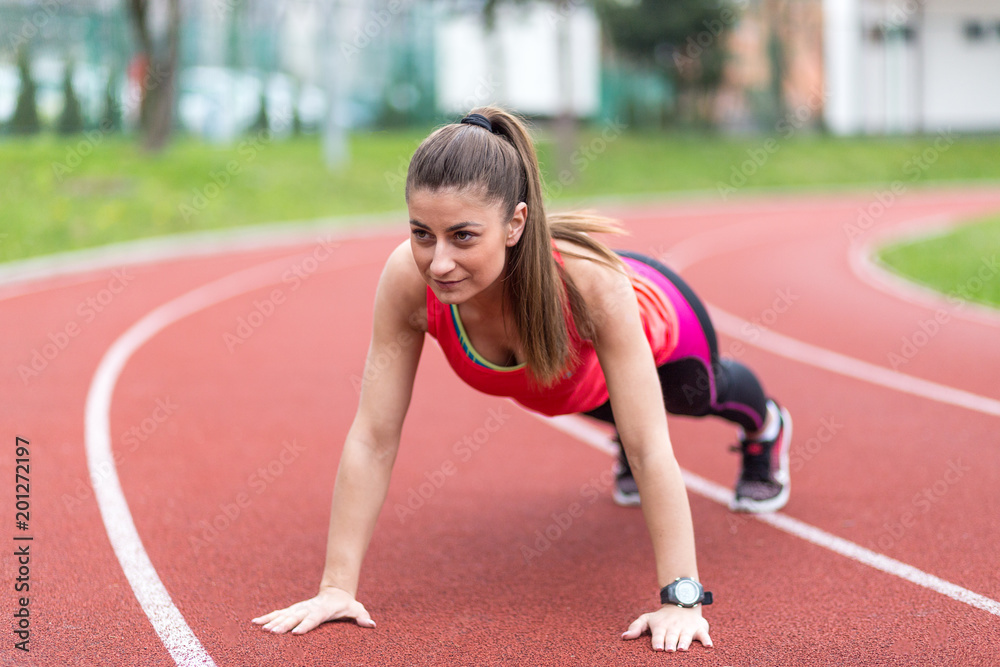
[333,580]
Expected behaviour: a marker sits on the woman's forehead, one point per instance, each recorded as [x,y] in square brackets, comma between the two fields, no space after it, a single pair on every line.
[450,206]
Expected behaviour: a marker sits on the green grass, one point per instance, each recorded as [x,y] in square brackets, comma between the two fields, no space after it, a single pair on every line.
[963,263]
[117,193]
[63,194]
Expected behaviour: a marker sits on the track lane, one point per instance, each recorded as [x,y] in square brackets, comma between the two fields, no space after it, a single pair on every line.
[429,468]
[440,634]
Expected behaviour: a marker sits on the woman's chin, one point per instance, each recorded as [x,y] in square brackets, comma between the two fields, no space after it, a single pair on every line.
[450,293]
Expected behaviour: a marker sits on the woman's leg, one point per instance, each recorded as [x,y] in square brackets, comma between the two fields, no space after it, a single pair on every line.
[696,382]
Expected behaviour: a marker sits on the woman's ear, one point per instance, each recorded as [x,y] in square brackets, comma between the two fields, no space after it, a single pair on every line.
[515,226]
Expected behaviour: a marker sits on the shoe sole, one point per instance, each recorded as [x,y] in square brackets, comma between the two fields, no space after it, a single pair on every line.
[781,475]
[625,499]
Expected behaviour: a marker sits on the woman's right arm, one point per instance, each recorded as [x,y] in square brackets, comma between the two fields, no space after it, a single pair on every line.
[369,449]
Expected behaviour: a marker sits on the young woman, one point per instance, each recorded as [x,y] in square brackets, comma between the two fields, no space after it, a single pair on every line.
[532,307]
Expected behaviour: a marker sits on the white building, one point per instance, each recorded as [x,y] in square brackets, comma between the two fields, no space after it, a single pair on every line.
[912,65]
[540,58]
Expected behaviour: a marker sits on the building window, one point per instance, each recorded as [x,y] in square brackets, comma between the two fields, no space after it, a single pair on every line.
[888,32]
[974,31]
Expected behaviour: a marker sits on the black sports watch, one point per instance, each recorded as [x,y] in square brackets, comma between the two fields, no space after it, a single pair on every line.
[685,592]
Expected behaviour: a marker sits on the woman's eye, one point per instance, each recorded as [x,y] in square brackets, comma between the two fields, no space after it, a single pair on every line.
[463,236]
[420,234]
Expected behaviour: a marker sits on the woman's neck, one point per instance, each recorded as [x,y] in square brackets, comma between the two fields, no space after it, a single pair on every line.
[488,305]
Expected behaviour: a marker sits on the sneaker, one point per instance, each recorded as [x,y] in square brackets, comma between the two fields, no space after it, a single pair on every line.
[764,482]
[626,491]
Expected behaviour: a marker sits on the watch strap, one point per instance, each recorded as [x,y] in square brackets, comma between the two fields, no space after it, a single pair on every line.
[706,596]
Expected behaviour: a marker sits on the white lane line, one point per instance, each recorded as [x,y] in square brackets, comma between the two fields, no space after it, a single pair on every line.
[742,235]
[149,590]
[796,350]
[863,261]
[802,352]
[582,430]
[58,270]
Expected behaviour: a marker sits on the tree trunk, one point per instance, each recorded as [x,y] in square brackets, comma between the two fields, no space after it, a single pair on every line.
[160,55]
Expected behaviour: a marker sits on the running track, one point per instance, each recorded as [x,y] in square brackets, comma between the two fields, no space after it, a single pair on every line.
[212,447]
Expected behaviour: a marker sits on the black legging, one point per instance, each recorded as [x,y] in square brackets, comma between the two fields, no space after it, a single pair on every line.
[697,387]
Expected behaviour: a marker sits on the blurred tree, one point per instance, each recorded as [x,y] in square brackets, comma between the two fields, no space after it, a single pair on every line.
[776,16]
[111,118]
[25,119]
[261,124]
[158,55]
[297,126]
[682,39]
[71,118]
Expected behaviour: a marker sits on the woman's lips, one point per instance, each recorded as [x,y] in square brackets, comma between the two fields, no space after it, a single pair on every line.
[447,284]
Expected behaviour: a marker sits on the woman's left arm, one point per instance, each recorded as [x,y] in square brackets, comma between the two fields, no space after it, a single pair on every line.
[640,417]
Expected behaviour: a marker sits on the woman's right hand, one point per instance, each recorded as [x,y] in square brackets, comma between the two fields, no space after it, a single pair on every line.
[329,605]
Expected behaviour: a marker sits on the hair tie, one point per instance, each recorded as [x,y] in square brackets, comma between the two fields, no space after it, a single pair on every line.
[480,120]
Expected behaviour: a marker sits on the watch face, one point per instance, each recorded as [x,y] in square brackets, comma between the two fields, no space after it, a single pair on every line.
[686,592]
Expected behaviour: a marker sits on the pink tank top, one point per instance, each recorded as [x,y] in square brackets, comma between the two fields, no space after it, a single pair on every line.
[583,387]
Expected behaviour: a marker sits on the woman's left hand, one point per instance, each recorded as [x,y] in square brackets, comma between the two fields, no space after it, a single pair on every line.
[672,628]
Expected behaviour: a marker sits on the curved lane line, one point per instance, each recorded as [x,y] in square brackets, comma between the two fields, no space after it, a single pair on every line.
[742,235]
[169,624]
[23,277]
[149,590]
[866,267]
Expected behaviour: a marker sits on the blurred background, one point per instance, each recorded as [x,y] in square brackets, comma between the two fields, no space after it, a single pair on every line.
[129,118]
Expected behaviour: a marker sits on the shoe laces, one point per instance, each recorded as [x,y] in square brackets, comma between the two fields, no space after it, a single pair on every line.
[756,460]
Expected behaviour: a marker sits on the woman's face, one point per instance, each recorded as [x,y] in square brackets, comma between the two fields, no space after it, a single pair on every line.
[459,242]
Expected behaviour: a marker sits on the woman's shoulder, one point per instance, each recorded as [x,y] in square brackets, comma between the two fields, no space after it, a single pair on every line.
[593,276]
[402,289]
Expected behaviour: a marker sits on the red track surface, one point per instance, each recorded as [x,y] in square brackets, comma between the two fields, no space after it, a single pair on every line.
[258,428]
